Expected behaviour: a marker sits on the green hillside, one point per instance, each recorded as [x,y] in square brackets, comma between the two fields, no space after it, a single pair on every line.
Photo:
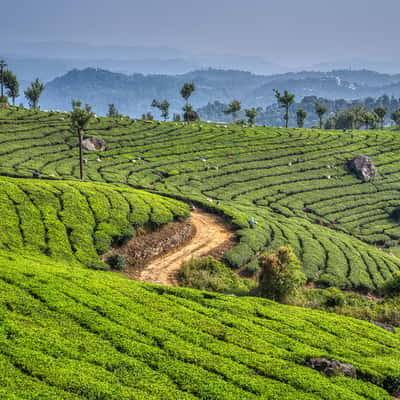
[76,221]
[73,333]
[294,182]
[70,332]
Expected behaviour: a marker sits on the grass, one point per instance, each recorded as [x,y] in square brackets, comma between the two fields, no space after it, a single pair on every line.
[293,182]
[207,273]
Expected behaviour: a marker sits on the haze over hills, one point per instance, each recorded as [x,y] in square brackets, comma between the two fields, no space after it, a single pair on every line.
[133,94]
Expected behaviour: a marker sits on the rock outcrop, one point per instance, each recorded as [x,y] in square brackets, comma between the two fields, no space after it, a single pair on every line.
[363,167]
[332,367]
[94,144]
[386,327]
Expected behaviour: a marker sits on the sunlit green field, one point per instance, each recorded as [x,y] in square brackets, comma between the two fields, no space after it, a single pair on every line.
[294,182]
[71,331]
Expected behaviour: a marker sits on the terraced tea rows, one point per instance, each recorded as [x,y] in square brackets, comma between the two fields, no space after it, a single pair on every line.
[73,333]
[294,182]
[76,221]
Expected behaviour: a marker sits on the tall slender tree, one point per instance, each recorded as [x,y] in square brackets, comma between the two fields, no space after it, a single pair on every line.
[301,117]
[320,110]
[233,108]
[80,118]
[187,90]
[285,101]
[33,92]
[3,65]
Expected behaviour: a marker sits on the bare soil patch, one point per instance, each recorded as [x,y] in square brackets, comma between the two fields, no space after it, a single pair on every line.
[158,256]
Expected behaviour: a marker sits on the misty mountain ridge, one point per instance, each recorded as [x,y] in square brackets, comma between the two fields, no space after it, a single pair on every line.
[133,94]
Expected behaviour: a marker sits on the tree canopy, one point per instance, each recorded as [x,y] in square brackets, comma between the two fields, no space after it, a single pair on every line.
[33,92]
[285,101]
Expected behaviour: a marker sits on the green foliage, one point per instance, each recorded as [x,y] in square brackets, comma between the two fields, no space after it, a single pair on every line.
[320,110]
[189,115]
[148,116]
[285,100]
[251,114]
[396,117]
[187,90]
[391,288]
[163,106]
[12,85]
[80,118]
[334,297]
[113,111]
[210,274]
[281,274]
[233,108]
[301,117]
[33,93]
[116,261]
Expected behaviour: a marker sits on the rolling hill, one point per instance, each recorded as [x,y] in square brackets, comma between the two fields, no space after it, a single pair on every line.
[293,182]
[70,332]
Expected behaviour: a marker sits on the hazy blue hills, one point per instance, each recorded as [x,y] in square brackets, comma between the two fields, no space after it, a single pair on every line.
[132,94]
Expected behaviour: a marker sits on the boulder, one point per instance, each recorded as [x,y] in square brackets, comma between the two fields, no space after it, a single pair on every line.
[332,367]
[386,327]
[363,167]
[94,144]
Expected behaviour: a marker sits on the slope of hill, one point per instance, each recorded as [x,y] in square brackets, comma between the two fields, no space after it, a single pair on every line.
[133,94]
[75,221]
[68,332]
[72,333]
[294,182]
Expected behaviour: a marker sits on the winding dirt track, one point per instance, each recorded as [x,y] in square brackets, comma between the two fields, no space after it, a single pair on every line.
[211,233]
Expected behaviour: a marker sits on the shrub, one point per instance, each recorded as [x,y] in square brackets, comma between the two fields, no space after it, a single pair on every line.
[117,261]
[253,267]
[281,274]
[392,287]
[127,235]
[334,297]
[207,273]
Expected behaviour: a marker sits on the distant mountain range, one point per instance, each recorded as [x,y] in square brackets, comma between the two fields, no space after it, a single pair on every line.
[133,94]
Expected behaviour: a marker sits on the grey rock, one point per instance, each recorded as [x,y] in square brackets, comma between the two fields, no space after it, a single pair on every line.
[332,367]
[387,327]
[94,144]
[363,167]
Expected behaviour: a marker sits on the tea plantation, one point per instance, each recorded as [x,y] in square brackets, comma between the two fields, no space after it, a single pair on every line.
[71,332]
[295,183]
[68,332]
[75,221]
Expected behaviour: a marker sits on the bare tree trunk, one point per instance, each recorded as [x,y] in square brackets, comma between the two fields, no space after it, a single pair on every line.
[287,117]
[2,81]
[80,155]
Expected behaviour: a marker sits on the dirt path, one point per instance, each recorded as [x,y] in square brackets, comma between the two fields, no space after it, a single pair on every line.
[211,233]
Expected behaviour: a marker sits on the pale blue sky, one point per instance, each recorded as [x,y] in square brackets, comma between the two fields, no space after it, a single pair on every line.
[291,31]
